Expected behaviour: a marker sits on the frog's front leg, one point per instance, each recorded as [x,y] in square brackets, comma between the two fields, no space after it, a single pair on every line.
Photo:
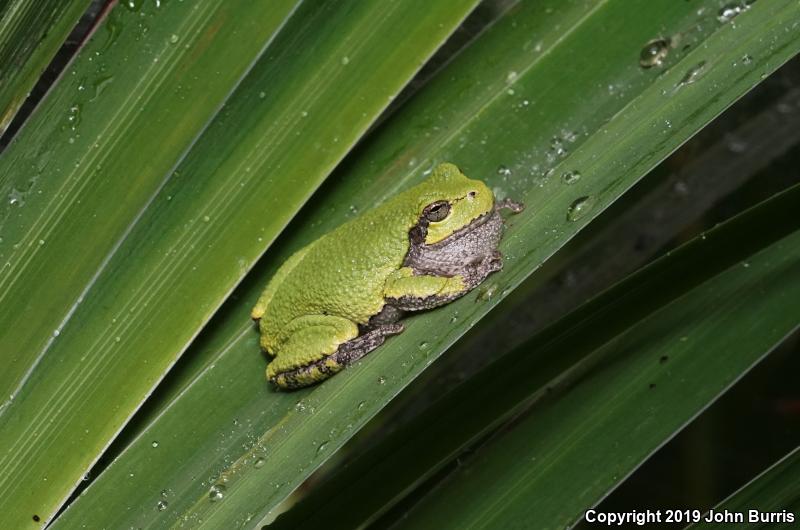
[409,292]
[319,346]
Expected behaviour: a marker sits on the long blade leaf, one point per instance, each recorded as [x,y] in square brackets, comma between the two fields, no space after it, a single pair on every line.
[276,139]
[475,409]
[774,496]
[98,148]
[31,32]
[540,75]
[633,391]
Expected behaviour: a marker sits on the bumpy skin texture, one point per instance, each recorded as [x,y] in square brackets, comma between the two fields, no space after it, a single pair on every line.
[338,298]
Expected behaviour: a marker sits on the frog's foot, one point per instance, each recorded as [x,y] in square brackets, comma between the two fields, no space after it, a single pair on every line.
[408,291]
[450,287]
[347,353]
[509,204]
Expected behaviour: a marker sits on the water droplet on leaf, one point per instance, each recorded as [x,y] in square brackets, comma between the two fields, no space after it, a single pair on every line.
[654,53]
[579,208]
[216,493]
[571,177]
[503,170]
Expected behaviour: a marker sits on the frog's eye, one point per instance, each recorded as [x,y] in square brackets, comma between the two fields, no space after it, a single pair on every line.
[436,211]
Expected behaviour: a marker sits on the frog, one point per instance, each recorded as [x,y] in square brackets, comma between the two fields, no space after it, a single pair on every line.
[338,298]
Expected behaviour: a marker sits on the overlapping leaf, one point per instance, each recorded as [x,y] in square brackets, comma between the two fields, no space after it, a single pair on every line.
[561,356]
[31,31]
[329,74]
[551,106]
[774,496]
[637,386]
[100,145]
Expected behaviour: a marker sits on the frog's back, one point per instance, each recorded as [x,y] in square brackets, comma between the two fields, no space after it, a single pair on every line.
[341,274]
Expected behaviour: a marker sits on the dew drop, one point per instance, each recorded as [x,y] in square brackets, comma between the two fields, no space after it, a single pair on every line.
[74,116]
[161,506]
[322,446]
[654,53]
[100,84]
[423,345]
[259,463]
[571,177]
[730,11]
[362,404]
[15,197]
[300,407]
[154,444]
[173,39]
[381,380]
[579,208]
[557,149]
[694,73]
[345,60]
[206,218]
[216,493]
[503,170]
[487,293]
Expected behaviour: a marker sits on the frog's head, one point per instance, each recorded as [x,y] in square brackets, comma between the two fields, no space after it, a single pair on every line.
[450,201]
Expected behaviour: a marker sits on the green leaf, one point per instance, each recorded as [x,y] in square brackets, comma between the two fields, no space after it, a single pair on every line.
[77,175]
[526,103]
[774,491]
[327,76]
[570,349]
[634,390]
[100,145]
[31,32]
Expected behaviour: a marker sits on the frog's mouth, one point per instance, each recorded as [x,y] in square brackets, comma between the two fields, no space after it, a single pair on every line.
[419,232]
[467,229]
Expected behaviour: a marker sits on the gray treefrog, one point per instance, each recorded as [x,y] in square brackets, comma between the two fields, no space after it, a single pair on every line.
[338,298]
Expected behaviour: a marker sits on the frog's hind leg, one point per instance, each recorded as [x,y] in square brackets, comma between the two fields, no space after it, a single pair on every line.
[327,365]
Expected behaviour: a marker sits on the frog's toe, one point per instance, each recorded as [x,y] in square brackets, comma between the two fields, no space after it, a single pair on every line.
[495,260]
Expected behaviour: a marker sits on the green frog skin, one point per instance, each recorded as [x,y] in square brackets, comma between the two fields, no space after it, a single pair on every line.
[338,298]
